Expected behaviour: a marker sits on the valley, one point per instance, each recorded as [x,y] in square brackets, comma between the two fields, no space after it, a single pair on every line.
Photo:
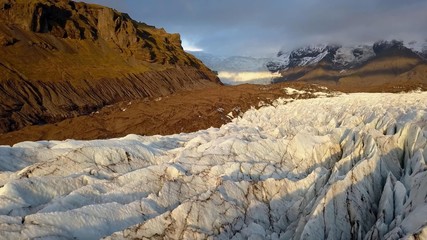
[111,128]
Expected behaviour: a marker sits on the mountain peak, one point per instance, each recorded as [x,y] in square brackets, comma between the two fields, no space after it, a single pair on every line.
[80,21]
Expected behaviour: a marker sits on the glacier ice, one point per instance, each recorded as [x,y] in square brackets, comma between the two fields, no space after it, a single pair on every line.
[345,167]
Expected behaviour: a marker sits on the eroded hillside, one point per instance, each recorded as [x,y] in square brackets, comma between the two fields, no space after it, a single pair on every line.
[62,58]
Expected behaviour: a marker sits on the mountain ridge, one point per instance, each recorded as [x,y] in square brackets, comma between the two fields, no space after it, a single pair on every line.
[344,56]
[63,58]
[357,68]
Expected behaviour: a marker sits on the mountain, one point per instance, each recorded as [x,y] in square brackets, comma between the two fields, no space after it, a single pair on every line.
[61,59]
[419,47]
[360,68]
[233,63]
[239,69]
[344,57]
[351,166]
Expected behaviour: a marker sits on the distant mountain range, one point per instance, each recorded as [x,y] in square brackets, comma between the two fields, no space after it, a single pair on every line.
[323,62]
[343,57]
[239,69]
[382,65]
[233,63]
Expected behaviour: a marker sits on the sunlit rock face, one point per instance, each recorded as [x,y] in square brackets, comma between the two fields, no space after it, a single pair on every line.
[345,167]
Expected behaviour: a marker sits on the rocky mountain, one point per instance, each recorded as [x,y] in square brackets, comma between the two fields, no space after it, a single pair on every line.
[357,68]
[420,47]
[343,57]
[61,58]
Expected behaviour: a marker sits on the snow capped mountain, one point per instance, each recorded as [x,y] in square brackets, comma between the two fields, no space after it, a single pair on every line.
[342,57]
[418,46]
[345,167]
[348,56]
[239,69]
[300,57]
[309,55]
[233,63]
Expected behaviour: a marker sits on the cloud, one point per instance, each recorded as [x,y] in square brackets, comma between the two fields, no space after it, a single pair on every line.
[190,46]
[261,28]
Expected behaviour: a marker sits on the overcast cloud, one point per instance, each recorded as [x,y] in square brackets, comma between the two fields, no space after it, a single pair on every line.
[262,28]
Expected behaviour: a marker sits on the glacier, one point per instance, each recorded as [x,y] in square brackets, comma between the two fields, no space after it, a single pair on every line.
[352,166]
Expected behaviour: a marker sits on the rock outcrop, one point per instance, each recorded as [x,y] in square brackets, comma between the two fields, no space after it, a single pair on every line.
[63,58]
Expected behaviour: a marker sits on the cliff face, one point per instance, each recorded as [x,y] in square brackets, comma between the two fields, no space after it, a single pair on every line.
[80,21]
[62,58]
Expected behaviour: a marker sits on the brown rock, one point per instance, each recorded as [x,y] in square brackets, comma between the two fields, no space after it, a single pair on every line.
[62,59]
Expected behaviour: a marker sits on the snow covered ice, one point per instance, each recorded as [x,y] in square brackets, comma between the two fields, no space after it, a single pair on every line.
[346,167]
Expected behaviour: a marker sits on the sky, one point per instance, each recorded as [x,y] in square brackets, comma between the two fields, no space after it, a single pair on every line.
[260,28]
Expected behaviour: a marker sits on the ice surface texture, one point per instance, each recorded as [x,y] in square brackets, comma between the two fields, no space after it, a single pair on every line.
[346,167]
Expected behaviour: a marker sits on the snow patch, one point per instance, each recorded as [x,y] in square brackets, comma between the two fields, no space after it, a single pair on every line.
[292,91]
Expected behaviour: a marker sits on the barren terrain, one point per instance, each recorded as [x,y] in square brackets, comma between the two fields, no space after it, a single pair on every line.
[185,111]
